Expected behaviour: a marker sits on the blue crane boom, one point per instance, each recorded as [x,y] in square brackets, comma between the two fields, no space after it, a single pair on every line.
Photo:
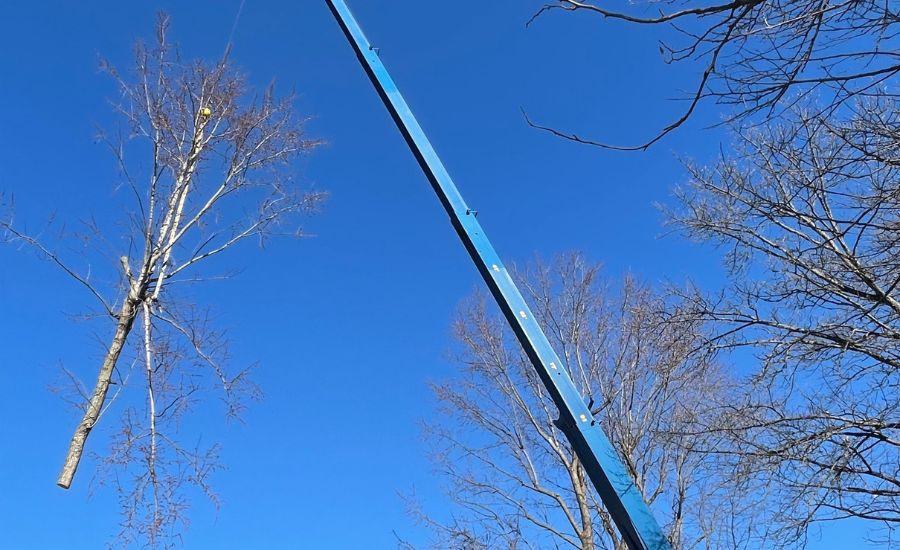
[620,495]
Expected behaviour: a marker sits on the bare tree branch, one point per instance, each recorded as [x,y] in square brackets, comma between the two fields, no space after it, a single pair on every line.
[511,474]
[754,52]
[809,215]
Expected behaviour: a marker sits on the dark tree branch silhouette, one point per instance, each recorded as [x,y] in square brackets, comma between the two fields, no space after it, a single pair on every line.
[754,52]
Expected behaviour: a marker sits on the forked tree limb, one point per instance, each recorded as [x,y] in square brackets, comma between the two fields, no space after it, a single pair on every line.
[137,296]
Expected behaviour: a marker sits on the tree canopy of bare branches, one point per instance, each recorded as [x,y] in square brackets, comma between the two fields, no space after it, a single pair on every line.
[764,55]
[207,163]
[808,211]
[512,476]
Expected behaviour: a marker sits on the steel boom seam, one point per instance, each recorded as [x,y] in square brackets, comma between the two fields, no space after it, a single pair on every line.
[617,489]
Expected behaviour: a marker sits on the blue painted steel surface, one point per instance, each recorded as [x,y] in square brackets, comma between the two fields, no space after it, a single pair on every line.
[621,497]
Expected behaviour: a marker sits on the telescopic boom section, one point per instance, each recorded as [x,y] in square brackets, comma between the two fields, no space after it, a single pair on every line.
[621,497]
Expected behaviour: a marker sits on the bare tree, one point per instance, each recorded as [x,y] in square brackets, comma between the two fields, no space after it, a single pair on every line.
[808,211]
[753,52]
[215,172]
[513,477]
[806,208]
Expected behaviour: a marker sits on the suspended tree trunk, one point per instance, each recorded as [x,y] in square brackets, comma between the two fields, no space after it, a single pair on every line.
[141,293]
[218,174]
[98,397]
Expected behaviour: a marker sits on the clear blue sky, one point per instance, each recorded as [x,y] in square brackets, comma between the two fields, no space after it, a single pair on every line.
[349,327]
